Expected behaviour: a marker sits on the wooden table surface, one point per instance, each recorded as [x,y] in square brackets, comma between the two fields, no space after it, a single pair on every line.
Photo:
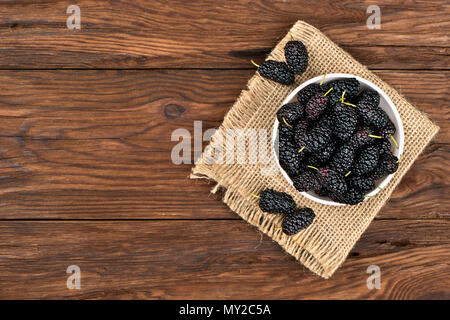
[86,176]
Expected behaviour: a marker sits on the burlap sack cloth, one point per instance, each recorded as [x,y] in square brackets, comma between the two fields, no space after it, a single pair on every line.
[325,244]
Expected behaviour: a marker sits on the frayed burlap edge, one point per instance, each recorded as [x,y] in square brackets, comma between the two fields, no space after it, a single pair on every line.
[323,246]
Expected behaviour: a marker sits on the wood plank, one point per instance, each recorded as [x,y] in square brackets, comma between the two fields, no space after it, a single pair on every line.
[424,89]
[421,194]
[213,260]
[176,33]
[107,179]
[399,57]
[150,104]
[96,144]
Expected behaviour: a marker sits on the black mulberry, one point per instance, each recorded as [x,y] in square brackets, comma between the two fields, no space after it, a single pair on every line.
[321,157]
[290,113]
[306,181]
[361,183]
[371,115]
[290,158]
[296,56]
[300,130]
[315,139]
[384,146]
[371,96]
[285,133]
[332,180]
[323,192]
[388,130]
[298,221]
[316,106]
[387,164]
[352,197]
[308,92]
[326,119]
[345,121]
[366,161]
[351,87]
[276,71]
[342,160]
[272,201]
[362,137]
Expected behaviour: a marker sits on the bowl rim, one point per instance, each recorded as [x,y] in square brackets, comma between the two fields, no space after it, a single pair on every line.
[333,76]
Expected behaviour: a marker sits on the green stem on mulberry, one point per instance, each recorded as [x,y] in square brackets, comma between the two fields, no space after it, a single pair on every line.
[342,98]
[366,196]
[347,174]
[284,120]
[254,63]
[313,168]
[290,34]
[374,136]
[327,92]
[349,104]
[379,188]
[255,195]
[323,79]
[395,142]
[301,149]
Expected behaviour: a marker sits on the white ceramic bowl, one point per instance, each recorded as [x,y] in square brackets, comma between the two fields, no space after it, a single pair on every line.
[385,103]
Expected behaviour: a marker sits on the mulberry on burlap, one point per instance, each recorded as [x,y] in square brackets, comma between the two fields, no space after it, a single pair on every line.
[324,245]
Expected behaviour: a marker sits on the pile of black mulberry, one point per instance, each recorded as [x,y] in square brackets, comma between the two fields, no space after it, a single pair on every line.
[295,220]
[296,57]
[335,140]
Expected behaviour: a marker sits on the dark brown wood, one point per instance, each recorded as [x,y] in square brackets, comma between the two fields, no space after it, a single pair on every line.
[96,144]
[213,260]
[106,179]
[211,34]
[420,195]
[150,104]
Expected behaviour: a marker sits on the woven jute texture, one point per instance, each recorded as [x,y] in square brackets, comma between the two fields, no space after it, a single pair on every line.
[325,244]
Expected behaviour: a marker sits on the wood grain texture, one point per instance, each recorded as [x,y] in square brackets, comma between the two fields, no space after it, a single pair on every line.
[177,33]
[80,145]
[198,260]
[106,179]
[97,144]
[150,104]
